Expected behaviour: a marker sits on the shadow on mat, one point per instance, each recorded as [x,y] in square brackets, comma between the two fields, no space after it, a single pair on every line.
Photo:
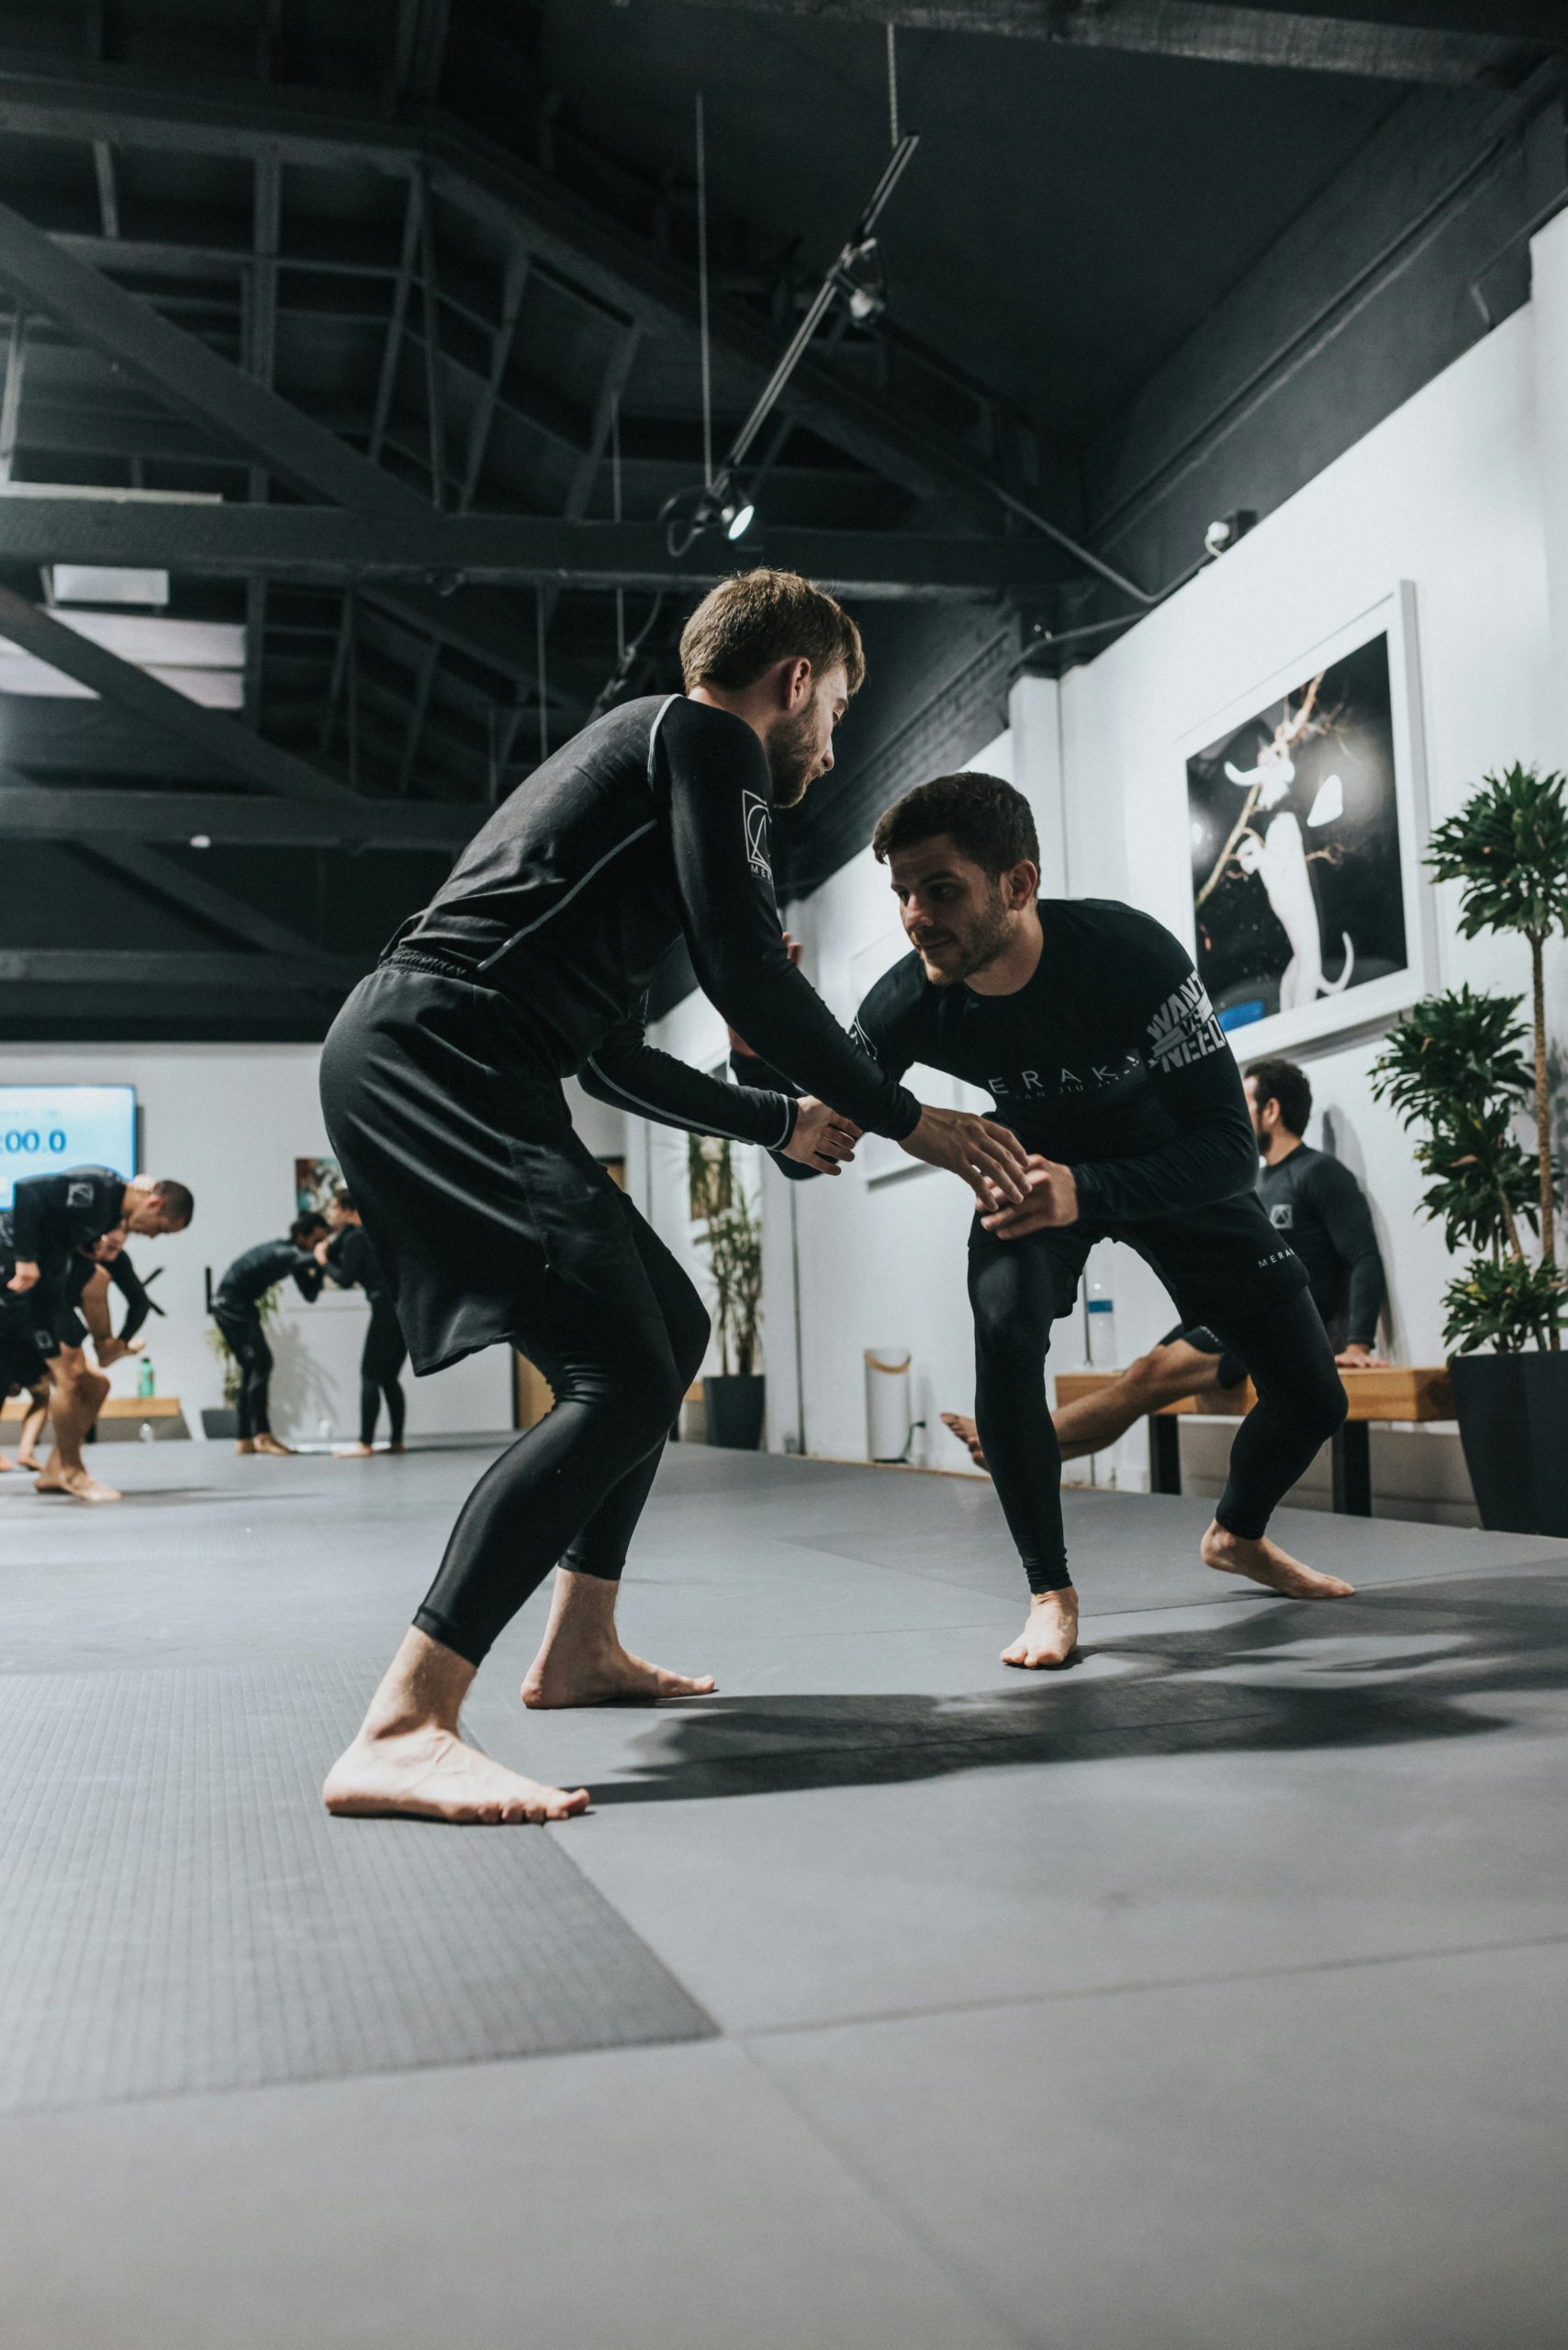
[1391,1668]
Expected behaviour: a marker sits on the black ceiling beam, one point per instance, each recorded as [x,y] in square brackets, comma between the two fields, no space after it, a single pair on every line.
[194,894]
[259,764]
[322,544]
[597,259]
[197,972]
[231,820]
[1299,39]
[233,405]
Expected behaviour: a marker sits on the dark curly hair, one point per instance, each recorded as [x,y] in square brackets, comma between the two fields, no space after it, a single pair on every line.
[1281,1081]
[990,822]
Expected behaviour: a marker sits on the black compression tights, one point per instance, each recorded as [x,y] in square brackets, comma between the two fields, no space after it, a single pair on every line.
[1300,1404]
[386,1352]
[573,1488]
[247,1344]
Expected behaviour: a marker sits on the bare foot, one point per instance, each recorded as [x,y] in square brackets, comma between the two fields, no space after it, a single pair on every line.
[1050,1631]
[396,1448]
[966,1434]
[564,1674]
[79,1483]
[352,1452]
[29,1460]
[6,1464]
[1263,1561]
[246,1444]
[269,1444]
[429,1773]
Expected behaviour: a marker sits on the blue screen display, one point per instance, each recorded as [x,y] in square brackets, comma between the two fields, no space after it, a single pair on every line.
[46,1128]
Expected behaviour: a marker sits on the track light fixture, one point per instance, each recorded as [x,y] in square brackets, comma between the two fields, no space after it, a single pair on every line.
[861,279]
[721,505]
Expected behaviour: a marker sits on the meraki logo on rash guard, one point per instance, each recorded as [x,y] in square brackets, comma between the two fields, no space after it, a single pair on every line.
[754,814]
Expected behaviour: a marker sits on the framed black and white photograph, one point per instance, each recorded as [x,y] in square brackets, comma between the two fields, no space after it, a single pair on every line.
[1308,812]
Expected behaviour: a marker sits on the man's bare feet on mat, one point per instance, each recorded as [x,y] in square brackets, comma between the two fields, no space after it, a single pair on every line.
[1263,1561]
[1051,1632]
[429,1773]
[599,1676]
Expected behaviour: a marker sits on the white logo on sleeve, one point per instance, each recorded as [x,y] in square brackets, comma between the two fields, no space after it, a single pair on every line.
[1184,1029]
[79,1195]
[1282,1216]
[753,813]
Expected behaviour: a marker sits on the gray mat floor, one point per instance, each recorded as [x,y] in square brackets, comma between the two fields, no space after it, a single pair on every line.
[1208,1994]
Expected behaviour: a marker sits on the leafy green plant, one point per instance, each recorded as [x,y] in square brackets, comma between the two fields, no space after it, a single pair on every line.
[734,1242]
[1465,1066]
[1507,848]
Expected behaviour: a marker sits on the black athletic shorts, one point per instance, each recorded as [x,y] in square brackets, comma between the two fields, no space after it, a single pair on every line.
[26,1340]
[1232,1369]
[1221,1265]
[446,1115]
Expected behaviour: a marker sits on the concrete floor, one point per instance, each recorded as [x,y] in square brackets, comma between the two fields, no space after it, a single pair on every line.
[1210,1996]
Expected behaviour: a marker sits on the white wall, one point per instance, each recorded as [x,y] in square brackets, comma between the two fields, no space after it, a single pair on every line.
[1450,493]
[230,1120]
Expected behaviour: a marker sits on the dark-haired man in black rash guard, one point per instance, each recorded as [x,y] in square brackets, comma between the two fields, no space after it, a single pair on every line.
[440,1082]
[54,1218]
[352,1263]
[237,1310]
[1088,1024]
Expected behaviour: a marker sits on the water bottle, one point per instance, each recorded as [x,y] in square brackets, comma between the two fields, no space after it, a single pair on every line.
[145,1383]
[1101,1328]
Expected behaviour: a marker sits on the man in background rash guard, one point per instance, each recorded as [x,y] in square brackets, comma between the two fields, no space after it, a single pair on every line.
[1314,1203]
[78,1393]
[440,1082]
[237,1310]
[1088,1024]
[53,1219]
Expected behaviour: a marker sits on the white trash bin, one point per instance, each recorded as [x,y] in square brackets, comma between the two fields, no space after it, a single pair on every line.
[889,1416]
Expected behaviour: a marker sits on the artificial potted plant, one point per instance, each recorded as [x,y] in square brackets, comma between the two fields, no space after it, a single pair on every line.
[1470,1070]
[735,1399]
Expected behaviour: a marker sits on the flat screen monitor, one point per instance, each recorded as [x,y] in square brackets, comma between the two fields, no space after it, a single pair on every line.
[46,1128]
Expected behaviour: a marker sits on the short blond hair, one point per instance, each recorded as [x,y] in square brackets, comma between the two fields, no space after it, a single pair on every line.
[745,625]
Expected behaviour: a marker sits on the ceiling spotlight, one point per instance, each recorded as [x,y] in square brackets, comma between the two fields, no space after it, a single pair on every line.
[862,280]
[692,514]
[1222,534]
[736,511]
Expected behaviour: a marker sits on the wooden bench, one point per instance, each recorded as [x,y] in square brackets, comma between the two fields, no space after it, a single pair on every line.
[119,1407]
[1404,1392]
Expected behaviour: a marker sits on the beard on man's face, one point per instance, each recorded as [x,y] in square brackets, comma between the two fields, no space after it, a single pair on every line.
[971,946]
[793,759]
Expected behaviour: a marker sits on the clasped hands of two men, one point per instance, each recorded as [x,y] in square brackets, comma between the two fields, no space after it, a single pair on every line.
[1019,1190]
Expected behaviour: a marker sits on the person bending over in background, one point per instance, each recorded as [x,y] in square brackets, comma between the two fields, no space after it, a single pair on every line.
[352,1263]
[237,1310]
[1318,1206]
[35,1419]
[78,1394]
[54,1220]
[442,1086]
[1088,1024]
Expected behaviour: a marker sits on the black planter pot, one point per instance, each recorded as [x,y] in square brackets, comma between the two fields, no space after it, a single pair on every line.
[1513,1423]
[734,1402]
[219,1422]
[1546,1416]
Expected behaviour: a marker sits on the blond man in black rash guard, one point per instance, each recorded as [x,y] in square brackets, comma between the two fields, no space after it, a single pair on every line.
[441,1084]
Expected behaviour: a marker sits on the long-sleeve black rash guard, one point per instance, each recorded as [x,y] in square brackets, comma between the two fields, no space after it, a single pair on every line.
[251,1276]
[53,1216]
[1318,1205]
[1109,1060]
[126,1278]
[650,826]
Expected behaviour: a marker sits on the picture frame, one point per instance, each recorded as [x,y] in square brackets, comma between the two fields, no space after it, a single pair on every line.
[1306,800]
